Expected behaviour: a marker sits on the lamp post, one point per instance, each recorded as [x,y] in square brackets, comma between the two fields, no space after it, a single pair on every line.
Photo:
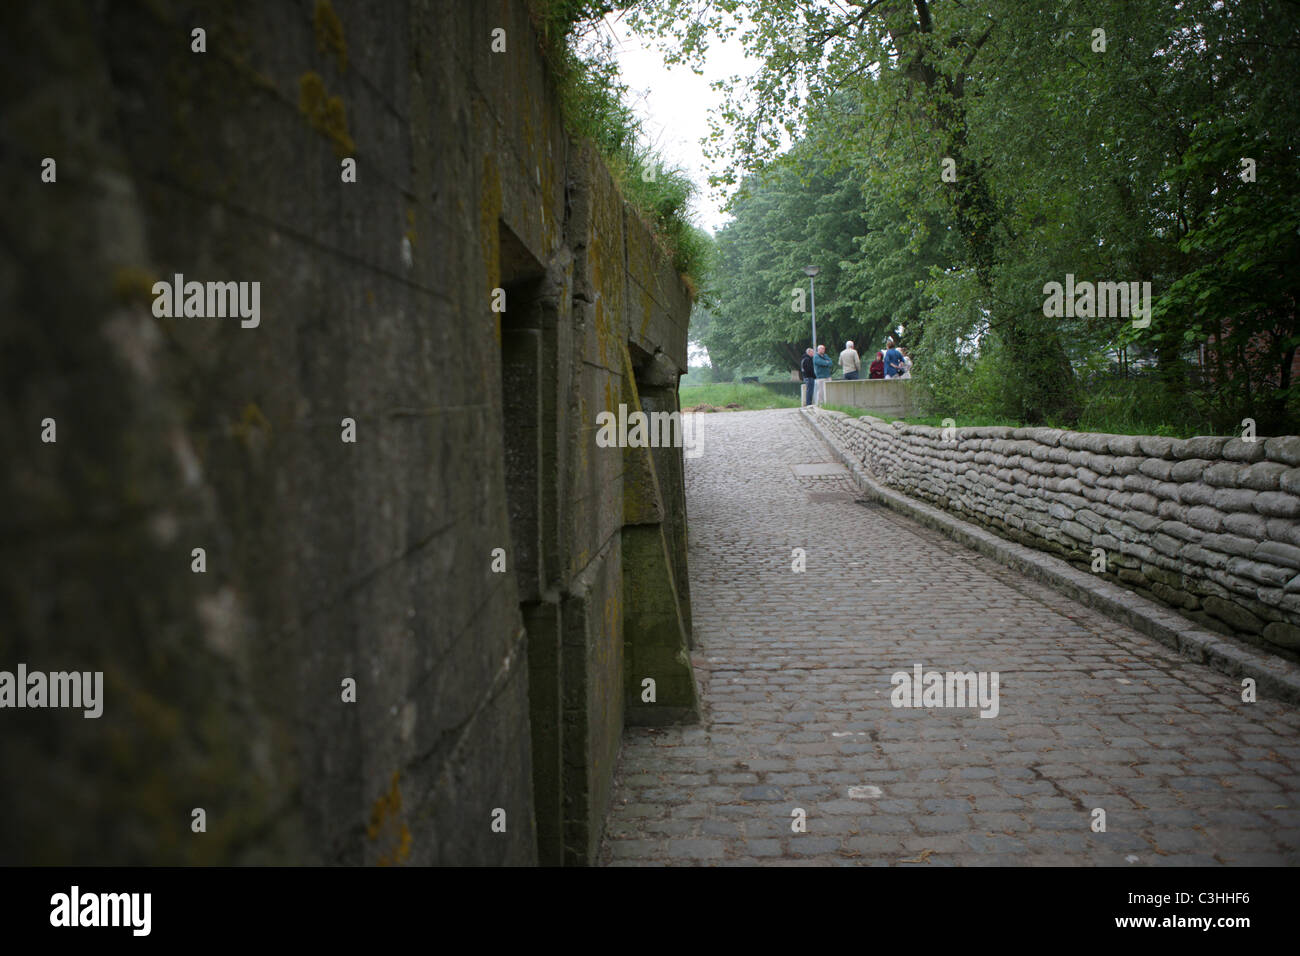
[811,273]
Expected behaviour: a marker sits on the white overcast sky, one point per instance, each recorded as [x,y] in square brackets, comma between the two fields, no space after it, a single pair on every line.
[675,105]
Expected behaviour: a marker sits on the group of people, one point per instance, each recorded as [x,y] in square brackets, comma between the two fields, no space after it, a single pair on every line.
[817,368]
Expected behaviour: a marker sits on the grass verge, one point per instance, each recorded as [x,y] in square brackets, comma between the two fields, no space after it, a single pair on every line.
[747,397]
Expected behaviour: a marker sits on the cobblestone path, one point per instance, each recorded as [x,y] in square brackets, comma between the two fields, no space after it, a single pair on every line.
[795,672]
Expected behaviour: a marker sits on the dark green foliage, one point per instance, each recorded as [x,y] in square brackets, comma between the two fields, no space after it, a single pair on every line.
[1119,164]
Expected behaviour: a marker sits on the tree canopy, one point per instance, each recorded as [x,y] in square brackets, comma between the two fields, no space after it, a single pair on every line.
[942,161]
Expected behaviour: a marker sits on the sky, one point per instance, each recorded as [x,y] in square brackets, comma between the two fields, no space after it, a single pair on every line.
[675,105]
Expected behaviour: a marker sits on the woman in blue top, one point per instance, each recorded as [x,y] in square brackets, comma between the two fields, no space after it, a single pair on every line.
[893,361]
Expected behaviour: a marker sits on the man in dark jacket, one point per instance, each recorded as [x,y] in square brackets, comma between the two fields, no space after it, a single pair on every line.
[809,376]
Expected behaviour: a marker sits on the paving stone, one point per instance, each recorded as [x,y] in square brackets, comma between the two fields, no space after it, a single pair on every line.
[942,823]
[695,849]
[724,828]
[999,822]
[805,844]
[634,849]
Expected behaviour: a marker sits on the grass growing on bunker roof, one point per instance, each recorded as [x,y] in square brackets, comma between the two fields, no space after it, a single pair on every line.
[594,101]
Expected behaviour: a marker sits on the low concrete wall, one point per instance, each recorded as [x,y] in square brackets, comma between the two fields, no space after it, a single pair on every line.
[887,398]
[1208,526]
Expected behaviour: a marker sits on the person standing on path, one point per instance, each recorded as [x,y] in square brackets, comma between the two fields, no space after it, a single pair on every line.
[877,369]
[809,372]
[893,361]
[850,362]
[824,365]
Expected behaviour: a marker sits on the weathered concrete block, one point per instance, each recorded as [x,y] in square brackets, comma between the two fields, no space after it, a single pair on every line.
[1132,578]
[1284,530]
[1237,449]
[1089,519]
[1237,499]
[1134,481]
[1285,449]
[1200,555]
[1205,518]
[1174,596]
[1263,475]
[1079,532]
[1058,510]
[1144,502]
[1178,529]
[1230,544]
[1128,465]
[1276,552]
[1197,493]
[1205,447]
[1287,480]
[1245,525]
[1156,468]
[1171,511]
[1277,504]
[1232,614]
[1156,446]
[1167,491]
[1224,474]
[1269,574]
[1189,469]
[1166,544]
[1285,635]
[1143,522]
[1096,443]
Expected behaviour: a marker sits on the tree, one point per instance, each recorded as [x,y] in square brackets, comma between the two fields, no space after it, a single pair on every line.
[1013,145]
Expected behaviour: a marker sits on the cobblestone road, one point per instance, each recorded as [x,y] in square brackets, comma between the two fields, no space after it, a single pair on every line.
[795,671]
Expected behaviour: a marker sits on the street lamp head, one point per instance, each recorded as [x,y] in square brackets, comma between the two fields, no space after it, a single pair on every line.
[811,271]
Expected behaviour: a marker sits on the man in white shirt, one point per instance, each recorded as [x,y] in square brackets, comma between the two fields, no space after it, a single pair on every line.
[851,362]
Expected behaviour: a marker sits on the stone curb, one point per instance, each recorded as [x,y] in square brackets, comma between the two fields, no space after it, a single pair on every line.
[1273,675]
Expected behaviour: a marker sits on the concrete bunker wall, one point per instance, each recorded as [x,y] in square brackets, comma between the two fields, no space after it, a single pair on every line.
[326,561]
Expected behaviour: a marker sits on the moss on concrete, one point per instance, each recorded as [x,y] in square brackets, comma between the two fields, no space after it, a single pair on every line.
[329,33]
[326,114]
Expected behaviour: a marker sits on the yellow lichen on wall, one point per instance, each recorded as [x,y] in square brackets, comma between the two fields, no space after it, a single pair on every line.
[252,423]
[325,113]
[132,284]
[410,225]
[385,823]
[329,33]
